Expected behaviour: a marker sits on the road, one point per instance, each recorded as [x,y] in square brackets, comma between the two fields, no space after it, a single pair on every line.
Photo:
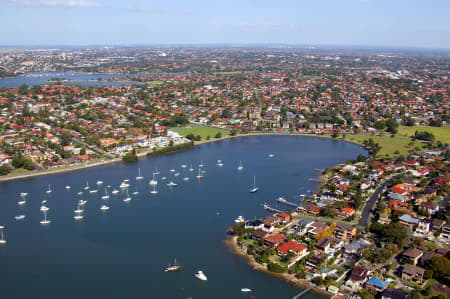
[371,203]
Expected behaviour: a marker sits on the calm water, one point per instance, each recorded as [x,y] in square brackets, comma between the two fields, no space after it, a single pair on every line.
[121,253]
[80,79]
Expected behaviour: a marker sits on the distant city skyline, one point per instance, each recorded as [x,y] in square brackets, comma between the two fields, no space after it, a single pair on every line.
[376,23]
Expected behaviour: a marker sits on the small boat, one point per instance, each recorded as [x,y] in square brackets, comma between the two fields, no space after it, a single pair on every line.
[219,163]
[106,196]
[199,176]
[104,208]
[183,165]
[99,183]
[156,171]
[176,174]
[163,178]
[126,180]
[245,290]
[109,186]
[67,187]
[19,217]
[44,201]
[93,191]
[124,185]
[82,202]
[80,193]
[200,275]
[78,217]
[78,211]
[281,199]
[21,202]
[191,169]
[49,190]
[128,198]
[154,190]
[139,177]
[240,219]
[153,181]
[172,170]
[44,208]
[135,193]
[45,221]
[115,191]
[240,167]
[201,164]
[254,188]
[186,179]
[173,268]
[2,240]
[271,155]
[87,186]
[171,184]
[23,194]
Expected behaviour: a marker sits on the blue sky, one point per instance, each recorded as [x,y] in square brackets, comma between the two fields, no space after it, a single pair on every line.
[395,23]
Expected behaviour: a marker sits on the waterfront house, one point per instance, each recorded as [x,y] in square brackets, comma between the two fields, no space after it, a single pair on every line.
[357,278]
[285,217]
[258,234]
[293,247]
[316,261]
[254,224]
[412,273]
[274,240]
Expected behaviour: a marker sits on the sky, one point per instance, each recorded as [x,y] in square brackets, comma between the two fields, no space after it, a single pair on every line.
[379,23]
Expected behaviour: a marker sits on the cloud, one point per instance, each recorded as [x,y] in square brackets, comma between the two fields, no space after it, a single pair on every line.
[156,10]
[57,3]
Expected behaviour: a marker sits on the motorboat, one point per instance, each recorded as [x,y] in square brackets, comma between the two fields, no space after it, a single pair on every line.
[78,217]
[115,191]
[186,179]
[93,191]
[271,155]
[245,290]
[23,194]
[172,170]
[183,165]
[124,185]
[240,219]
[99,183]
[67,187]
[176,174]
[44,208]
[104,208]
[219,163]
[80,193]
[19,217]
[171,184]
[200,275]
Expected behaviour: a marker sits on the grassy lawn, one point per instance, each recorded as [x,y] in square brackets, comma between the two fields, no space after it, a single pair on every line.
[440,133]
[155,82]
[389,145]
[202,131]
[19,171]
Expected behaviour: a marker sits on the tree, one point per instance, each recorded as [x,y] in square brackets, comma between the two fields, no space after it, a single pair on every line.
[218,135]
[440,265]
[82,151]
[391,126]
[130,157]
[65,138]
[5,169]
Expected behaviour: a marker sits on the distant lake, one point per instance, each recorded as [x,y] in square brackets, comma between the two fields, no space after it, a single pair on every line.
[79,78]
[121,253]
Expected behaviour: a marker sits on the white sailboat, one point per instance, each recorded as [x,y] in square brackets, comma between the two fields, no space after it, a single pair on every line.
[23,194]
[67,187]
[44,208]
[154,190]
[79,209]
[87,186]
[45,221]
[199,176]
[176,174]
[156,170]
[106,196]
[271,155]
[254,188]
[163,178]
[78,217]
[240,167]
[201,164]
[99,183]
[136,192]
[186,179]
[22,200]
[80,193]
[191,169]
[153,181]
[183,165]
[128,198]
[104,208]
[219,163]
[49,190]
[2,240]
[139,177]
[115,191]
[93,191]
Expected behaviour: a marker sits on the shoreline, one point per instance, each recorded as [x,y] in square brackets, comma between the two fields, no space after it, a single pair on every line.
[64,169]
[231,243]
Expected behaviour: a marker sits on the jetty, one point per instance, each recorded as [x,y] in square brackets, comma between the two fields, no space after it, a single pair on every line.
[304,291]
[284,201]
[268,208]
